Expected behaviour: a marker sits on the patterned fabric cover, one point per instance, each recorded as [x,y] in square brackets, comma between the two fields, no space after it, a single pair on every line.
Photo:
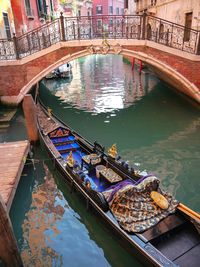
[92,159]
[133,207]
[110,175]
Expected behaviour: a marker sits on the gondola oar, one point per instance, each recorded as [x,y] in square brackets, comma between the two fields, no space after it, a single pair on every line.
[194,215]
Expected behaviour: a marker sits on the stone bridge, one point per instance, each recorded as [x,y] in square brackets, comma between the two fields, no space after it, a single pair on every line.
[25,60]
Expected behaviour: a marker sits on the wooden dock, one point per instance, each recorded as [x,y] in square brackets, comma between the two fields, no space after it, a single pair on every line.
[12,160]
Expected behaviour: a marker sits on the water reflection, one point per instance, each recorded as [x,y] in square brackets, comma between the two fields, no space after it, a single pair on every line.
[57,230]
[41,224]
[106,89]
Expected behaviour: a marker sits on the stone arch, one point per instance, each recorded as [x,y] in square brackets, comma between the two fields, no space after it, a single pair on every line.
[163,70]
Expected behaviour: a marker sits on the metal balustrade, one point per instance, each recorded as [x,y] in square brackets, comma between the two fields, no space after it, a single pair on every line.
[172,35]
[38,39]
[7,49]
[139,27]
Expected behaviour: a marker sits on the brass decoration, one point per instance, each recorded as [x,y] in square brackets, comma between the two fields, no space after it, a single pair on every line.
[90,49]
[104,48]
[49,110]
[70,160]
[112,152]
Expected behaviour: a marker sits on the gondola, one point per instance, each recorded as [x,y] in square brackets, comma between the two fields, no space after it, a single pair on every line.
[64,71]
[157,229]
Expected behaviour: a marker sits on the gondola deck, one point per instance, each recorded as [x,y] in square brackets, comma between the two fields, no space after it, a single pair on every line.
[173,241]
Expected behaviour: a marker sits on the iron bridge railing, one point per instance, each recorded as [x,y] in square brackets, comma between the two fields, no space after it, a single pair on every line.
[138,27]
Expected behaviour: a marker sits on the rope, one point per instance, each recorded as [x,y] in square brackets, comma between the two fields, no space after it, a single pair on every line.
[33,161]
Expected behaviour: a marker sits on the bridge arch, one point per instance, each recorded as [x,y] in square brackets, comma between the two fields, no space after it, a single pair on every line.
[64,54]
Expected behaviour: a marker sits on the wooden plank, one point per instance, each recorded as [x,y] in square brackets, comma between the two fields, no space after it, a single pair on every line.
[191,258]
[162,227]
[12,157]
[179,242]
[8,246]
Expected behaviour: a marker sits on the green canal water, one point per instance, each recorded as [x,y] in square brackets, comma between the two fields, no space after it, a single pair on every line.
[154,129]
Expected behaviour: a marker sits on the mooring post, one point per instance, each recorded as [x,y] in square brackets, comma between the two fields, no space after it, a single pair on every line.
[15,46]
[9,252]
[140,71]
[133,63]
[144,18]
[62,26]
[30,116]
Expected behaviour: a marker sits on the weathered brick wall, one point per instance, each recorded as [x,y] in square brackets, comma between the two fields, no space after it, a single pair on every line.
[189,69]
[13,78]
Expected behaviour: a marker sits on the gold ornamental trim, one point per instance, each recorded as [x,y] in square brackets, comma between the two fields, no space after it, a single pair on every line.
[104,48]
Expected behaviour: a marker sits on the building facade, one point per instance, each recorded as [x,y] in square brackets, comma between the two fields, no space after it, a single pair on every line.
[130,7]
[7,27]
[184,12]
[30,14]
[74,8]
[108,7]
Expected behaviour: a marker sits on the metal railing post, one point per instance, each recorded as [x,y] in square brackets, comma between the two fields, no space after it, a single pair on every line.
[144,18]
[74,31]
[62,27]
[167,38]
[15,46]
[198,44]
[78,28]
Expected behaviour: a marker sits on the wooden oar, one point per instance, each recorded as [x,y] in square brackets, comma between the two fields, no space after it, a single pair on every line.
[194,215]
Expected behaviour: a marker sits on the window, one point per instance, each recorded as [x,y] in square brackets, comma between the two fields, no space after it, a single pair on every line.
[126,4]
[122,11]
[79,13]
[153,2]
[51,5]
[117,10]
[188,25]
[42,8]
[6,25]
[99,23]
[99,10]
[110,9]
[29,11]
[111,22]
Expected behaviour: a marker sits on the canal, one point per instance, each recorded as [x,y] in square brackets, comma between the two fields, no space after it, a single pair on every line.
[154,129]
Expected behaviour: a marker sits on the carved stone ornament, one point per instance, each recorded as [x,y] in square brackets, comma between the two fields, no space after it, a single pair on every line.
[117,48]
[104,48]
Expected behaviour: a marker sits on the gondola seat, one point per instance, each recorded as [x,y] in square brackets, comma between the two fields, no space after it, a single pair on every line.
[91,160]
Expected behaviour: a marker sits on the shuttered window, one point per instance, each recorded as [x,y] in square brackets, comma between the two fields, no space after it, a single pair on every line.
[6,25]
[29,11]
[188,24]
[42,8]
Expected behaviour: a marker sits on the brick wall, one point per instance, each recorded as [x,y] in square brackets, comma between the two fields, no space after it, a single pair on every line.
[13,79]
